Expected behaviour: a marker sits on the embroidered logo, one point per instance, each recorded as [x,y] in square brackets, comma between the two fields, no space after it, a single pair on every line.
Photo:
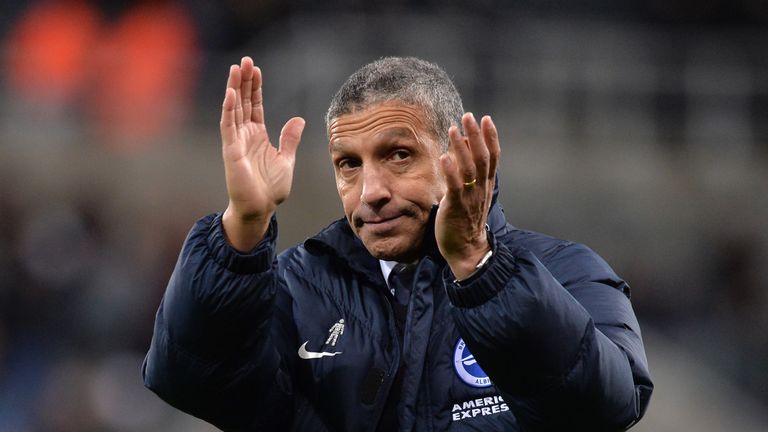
[335,331]
[307,355]
[482,407]
[467,368]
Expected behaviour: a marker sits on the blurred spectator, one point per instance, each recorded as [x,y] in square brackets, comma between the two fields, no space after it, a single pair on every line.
[133,77]
[145,70]
[49,50]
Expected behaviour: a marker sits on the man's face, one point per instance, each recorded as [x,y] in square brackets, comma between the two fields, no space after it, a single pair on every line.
[388,176]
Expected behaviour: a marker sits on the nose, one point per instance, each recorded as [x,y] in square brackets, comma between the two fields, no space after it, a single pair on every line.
[376,187]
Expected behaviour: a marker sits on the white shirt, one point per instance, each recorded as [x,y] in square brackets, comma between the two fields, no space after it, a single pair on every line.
[386,269]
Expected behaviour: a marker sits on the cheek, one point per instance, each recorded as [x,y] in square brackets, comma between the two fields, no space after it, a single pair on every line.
[349,199]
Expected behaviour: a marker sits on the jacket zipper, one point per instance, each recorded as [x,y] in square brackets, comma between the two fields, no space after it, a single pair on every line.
[387,385]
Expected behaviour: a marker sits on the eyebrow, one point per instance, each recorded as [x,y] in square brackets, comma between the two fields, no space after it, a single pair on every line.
[336,146]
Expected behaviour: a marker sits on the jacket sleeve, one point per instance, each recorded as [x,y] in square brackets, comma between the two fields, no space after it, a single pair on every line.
[565,353]
[215,351]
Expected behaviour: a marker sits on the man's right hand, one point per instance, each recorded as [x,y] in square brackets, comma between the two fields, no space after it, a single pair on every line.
[258,175]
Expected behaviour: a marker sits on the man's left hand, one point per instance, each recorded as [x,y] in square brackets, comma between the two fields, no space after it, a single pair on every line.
[469,168]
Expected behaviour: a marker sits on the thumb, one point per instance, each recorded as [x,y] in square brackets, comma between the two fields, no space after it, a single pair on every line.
[290,136]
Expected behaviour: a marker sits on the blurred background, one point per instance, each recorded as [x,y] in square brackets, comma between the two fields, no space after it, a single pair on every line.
[639,128]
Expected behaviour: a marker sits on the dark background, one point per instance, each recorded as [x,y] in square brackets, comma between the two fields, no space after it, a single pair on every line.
[638,128]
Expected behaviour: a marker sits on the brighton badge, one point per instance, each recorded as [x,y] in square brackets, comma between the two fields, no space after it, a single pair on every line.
[467,368]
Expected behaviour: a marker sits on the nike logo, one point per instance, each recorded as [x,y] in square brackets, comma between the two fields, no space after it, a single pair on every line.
[307,355]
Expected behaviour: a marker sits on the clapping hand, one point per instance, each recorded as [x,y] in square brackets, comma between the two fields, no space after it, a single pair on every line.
[469,168]
[258,175]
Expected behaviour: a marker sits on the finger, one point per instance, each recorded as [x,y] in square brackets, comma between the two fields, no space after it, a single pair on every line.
[491,136]
[257,104]
[462,155]
[233,81]
[290,137]
[227,124]
[235,75]
[246,71]
[477,146]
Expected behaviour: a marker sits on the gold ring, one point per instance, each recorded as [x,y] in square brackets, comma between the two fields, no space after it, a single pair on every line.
[470,185]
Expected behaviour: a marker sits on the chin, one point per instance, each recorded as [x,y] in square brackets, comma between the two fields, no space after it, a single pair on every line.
[401,243]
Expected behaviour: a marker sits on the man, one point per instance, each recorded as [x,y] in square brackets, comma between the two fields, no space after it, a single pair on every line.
[421,310]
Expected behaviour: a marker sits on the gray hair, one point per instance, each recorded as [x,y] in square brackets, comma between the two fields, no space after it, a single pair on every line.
[403,79]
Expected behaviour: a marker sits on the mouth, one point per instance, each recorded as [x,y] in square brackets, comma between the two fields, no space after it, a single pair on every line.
[381,226]
[374,221]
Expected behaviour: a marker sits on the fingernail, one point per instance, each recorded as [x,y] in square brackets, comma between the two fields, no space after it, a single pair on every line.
[472,116]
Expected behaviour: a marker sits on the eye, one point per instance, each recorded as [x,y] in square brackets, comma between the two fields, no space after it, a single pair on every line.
[347,164]
[399,155]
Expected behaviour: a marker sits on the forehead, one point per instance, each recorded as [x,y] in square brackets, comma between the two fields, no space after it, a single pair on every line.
[390,118]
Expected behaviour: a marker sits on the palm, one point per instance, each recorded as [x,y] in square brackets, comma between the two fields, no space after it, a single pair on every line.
[258,175]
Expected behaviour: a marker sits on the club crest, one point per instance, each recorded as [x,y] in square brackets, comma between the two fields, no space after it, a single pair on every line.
[467,368]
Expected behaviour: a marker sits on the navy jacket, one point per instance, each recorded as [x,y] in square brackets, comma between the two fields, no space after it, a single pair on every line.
[543,338]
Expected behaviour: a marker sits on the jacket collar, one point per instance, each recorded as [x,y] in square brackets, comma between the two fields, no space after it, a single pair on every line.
[338,240]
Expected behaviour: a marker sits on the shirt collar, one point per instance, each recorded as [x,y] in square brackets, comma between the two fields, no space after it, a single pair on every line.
[386,269]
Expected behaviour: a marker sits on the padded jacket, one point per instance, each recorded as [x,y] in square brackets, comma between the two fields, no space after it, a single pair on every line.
[542,338]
